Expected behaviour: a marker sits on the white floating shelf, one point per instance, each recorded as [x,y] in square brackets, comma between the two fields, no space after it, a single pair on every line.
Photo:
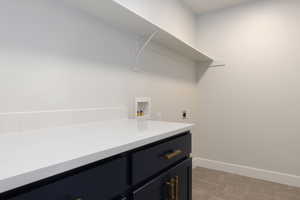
[121,17]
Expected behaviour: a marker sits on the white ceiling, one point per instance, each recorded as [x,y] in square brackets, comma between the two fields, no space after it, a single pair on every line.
[202,6]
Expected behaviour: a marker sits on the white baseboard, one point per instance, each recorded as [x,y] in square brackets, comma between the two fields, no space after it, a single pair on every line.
[262,174]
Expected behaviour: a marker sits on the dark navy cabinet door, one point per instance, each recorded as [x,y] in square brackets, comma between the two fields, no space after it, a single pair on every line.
[103,182]
[172,185]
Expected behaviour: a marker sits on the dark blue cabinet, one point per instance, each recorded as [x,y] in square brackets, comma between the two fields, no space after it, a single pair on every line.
[152,160]
[100,182]
[158,171]
[175,184]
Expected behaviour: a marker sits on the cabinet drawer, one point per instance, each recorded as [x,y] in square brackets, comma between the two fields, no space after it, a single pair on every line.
[105,182]
[148,162]
[174,184]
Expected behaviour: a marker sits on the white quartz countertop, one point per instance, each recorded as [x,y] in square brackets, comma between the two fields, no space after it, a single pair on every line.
[30,156]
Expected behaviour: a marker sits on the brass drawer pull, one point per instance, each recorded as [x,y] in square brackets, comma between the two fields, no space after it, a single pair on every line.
[177,188]
[169,156]
[171,190]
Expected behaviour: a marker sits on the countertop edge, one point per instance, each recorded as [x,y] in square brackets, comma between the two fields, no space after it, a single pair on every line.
[43,173]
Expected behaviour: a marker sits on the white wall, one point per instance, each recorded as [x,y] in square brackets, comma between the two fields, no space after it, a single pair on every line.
[171,15]
[249,110]
[56,57]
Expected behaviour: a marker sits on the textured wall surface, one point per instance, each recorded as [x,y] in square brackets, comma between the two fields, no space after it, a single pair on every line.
[56,57]
[249,110]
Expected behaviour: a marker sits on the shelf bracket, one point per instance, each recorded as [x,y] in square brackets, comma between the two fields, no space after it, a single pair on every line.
[204,66]
[143,47]
[211,64]
[216,64]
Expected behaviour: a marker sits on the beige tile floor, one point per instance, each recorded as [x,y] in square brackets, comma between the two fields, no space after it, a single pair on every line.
[216,185]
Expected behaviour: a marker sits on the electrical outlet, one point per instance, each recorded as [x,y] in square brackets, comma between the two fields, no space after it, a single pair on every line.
[184,114]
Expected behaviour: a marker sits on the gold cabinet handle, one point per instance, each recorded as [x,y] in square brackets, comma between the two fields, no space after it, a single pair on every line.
[177,186]
[169,156]
[171,191]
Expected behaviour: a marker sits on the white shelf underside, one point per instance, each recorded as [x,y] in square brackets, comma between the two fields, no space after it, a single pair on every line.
[122,18]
